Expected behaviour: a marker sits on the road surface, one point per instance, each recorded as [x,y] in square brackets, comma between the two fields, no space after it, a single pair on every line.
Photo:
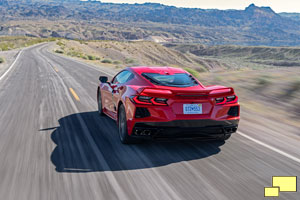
[53,145]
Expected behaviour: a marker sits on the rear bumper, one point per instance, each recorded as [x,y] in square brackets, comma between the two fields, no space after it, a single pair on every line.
[204,128]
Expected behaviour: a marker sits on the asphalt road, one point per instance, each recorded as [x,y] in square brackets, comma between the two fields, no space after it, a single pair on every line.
[53,145]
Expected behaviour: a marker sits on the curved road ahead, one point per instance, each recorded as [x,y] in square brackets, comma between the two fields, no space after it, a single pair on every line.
[53,145]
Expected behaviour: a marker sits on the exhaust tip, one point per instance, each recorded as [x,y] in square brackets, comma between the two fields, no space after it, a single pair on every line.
[230,130]
[146,132]
[142,132]
[137,132]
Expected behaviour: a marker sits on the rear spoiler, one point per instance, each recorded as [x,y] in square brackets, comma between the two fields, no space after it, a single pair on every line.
[222,92]
[156,92]
[215,91]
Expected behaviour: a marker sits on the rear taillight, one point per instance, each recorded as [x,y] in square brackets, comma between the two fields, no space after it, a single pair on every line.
[141,100]
[228,99]
[146,100]
[148,97]
[159,101]
[220,100]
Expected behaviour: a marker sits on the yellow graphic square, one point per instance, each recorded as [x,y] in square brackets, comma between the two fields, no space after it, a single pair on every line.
[285,183]
[271,191]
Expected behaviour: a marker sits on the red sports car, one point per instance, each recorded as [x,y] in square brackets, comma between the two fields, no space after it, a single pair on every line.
[167,102]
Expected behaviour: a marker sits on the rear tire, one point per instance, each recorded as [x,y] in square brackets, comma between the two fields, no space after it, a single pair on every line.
[100,110]
[122,126]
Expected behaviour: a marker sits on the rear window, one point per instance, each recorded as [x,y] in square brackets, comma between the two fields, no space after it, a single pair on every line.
[174,80]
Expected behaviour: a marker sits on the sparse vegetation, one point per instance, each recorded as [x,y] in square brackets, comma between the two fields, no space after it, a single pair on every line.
[59,51]
[1,60]
[74,54]
[192,71]
[199,58]
[11,42]
[6,46]
[200,68]
[294,88]
[59,43]
[117,62]
[263,81]
[90,57]
[106,61]
[129,61]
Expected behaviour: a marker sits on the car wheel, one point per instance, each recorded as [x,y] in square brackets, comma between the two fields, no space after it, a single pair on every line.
[100,110]
[122,125]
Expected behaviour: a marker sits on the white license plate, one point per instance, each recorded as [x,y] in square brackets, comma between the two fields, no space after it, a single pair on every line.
[192,108]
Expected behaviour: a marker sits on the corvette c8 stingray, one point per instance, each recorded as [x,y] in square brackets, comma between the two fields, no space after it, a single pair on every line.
[167,102]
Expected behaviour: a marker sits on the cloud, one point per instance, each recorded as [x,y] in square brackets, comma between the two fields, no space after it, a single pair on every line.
[277,5]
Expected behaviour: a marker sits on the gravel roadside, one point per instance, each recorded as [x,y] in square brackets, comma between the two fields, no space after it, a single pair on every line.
[9,57]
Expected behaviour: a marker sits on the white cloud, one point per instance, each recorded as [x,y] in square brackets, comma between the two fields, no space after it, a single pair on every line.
[276,5]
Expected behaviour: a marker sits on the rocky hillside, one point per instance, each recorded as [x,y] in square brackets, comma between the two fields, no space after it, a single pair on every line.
[239,57]
[198,58]
[101,21]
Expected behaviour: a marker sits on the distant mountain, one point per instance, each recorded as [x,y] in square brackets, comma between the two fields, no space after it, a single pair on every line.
[96,20]
[293,16]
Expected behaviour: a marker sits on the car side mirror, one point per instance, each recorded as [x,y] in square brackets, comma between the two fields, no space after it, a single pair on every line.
[103,79]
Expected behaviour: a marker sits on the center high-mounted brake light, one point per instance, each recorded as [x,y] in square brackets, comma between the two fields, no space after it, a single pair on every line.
[228,99]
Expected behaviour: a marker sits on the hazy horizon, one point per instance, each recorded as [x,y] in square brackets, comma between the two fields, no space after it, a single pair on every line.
[276,5]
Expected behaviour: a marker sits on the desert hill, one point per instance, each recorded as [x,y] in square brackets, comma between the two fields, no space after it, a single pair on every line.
[93,20]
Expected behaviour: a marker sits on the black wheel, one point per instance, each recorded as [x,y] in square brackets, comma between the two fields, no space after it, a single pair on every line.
[122,125]
[100,110]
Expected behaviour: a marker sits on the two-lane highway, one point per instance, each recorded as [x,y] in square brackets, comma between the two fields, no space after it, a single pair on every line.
[53,145]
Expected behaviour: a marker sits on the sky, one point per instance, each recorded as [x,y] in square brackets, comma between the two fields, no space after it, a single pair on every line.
[276,5]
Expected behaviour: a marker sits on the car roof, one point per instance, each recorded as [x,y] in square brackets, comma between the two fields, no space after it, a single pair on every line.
[159,70]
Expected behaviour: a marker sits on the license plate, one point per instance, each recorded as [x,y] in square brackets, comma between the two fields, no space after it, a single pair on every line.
[192,108]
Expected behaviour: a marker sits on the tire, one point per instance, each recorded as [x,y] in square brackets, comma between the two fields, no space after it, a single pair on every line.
[122,127]
[100,110]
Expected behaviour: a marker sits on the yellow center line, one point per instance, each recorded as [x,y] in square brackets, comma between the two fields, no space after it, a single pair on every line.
[55,69]
[74,94]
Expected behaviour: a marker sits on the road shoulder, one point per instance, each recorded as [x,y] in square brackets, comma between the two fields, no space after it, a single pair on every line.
[9,57]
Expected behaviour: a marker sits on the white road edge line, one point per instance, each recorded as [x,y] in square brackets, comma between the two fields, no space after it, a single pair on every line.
[11,66]
[270,147]
[20,52]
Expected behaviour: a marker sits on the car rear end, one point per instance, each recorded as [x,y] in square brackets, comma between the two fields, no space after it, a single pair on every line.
[168,111]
